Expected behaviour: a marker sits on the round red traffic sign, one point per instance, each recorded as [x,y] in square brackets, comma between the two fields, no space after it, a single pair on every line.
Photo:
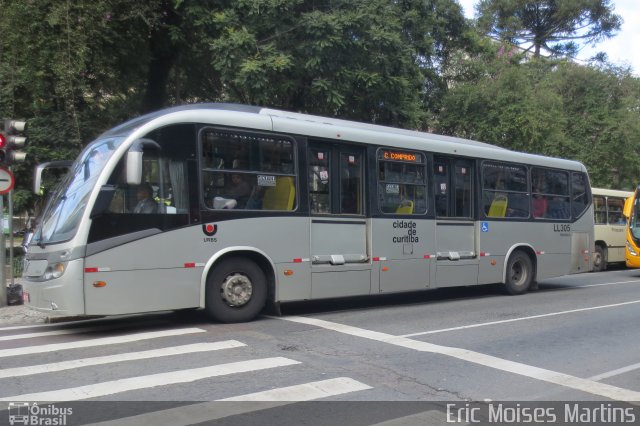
[7,180]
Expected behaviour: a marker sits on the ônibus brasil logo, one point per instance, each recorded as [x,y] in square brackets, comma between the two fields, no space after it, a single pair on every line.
[33,414]
[209,229]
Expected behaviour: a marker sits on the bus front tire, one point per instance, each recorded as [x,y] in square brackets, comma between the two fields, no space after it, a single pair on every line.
[519,273]
[599,260]
[236,291]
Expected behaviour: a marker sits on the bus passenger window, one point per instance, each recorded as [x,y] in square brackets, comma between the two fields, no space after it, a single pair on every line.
[614,208]
[319,181]
[350,183]
[441,183]
[553,185]
[580,200]
[401,182]
[506,181]
[247,171]
[599,210]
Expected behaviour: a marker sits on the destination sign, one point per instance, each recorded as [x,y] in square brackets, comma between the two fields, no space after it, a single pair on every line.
[401,156]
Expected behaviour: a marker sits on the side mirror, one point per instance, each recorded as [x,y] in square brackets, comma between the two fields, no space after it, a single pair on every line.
[134,160]
[103,201]
[134,167]
[40,168]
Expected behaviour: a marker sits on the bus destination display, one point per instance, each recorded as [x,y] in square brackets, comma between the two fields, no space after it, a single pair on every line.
[401,156]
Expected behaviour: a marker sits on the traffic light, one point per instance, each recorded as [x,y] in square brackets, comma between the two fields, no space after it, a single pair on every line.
[12,137]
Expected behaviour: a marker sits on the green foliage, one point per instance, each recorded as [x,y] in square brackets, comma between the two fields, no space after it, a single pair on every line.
[552,25]
[555,108]
[76,68]
[364,60]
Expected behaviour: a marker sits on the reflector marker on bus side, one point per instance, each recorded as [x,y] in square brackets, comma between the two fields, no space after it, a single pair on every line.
[193,265]
[301,259]
[539,253]
[484,254]
[427,256]
[379,259]
[93,270]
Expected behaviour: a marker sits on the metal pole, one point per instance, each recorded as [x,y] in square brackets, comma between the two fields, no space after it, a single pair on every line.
[3,255]
[10,203]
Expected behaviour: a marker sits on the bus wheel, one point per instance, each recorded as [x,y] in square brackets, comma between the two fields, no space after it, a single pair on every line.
[519,273]
[236,291]
[599,261]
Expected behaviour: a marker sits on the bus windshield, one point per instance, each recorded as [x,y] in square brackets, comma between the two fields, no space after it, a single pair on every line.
[634,220]
[60,219]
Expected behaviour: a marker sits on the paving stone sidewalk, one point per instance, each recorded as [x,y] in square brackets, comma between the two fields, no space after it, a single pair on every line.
[20,315]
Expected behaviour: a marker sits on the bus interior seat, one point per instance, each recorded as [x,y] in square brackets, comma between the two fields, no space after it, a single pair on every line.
[498,207]
[405,207]
[281,196]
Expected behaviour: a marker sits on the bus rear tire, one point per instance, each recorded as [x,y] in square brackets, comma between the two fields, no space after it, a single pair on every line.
[519,273]
[236,291]
[599,260]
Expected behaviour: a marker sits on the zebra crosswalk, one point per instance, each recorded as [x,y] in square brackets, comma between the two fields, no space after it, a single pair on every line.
[158,349]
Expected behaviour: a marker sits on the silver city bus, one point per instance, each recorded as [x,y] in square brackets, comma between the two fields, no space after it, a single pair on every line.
[610,227]
[229,207]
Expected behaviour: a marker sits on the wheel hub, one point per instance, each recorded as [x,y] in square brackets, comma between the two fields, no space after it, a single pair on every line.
[236,290]
[518,273]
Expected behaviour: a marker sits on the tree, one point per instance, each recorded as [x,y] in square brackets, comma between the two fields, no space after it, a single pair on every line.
[550,107]
[369,60]
[555,26]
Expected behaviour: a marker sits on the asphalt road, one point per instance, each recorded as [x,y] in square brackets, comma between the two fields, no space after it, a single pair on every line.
[389,360]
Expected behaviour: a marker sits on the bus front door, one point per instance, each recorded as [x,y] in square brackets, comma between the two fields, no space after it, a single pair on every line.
[457,262]
[339,256]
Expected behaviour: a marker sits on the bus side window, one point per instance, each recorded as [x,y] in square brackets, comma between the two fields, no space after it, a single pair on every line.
[441,190]
[504,190]
[246,170]
[580,200]
[402,183]
[614,208]
[599,210]
[554,186]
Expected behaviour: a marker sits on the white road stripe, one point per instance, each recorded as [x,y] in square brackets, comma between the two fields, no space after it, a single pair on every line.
[552,314]
[110,359]
[72,322]
[30,350]
[616,372]
[566,380]
[37,326]
[153,380]
[603,284]
[51,333]
[305,392]
[210,411]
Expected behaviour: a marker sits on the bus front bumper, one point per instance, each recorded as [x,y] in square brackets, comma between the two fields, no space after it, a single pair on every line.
[59,297]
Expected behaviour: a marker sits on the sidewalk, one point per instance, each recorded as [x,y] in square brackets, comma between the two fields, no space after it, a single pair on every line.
[20,315]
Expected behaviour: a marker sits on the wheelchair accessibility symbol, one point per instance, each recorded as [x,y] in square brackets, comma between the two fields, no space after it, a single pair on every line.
[484,226]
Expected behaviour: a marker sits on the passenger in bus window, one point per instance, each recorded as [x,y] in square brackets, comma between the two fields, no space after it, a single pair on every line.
[540,205]
[240,190]
[559,208]
[146,204]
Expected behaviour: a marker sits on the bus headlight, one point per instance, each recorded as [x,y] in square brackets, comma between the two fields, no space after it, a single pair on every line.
[631,250]
[55,271]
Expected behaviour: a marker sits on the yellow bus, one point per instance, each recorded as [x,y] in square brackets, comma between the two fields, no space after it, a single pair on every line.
[632,213]
[609,227]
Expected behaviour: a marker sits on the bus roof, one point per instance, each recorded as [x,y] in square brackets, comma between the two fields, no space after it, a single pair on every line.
[611,192]
[334,128]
